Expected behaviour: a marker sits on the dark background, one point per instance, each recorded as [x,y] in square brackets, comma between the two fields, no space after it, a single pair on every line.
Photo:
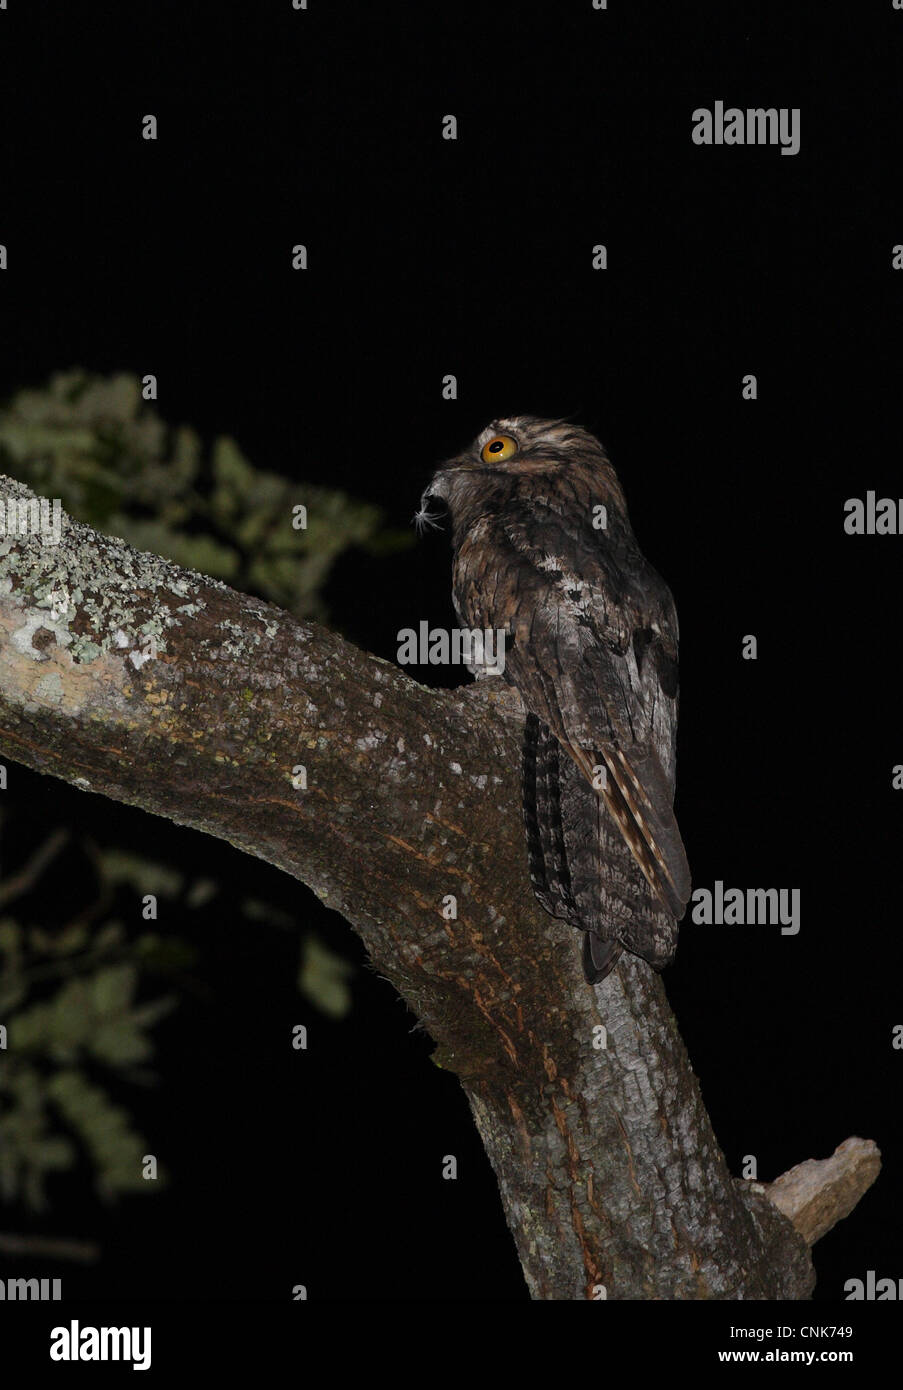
[428,257]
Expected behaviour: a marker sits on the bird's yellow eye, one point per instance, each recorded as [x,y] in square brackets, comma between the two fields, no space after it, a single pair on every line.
[499,448]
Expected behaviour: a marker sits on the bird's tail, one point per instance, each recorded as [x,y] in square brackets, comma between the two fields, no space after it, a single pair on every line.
[576,848]
[561,819]
[549,869]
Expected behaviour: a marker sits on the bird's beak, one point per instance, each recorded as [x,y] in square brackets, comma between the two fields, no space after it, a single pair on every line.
[438,487]
[424,518]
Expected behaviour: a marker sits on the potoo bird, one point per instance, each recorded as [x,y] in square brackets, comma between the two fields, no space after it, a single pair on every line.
[544,551]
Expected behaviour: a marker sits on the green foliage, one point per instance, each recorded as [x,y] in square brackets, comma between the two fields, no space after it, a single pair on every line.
[105,1130]
[94,443]
[77,1031]
[50,1108]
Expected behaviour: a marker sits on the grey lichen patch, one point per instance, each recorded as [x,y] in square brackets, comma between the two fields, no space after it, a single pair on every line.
[83,649]
[23,637]
[370,741]
[396,771]
[49,689]
[93,592]
[244,643]
[240,644]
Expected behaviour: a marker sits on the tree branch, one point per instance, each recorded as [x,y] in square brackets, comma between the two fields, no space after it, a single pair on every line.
[815,1195]
[612,1181]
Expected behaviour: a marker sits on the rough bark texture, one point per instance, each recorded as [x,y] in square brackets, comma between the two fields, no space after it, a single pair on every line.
[612,1181]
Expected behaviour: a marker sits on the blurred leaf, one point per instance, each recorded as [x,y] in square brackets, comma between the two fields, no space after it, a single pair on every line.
[114,988]
[70,1021]
[146,1015]
[12,991]
[233,475]
[10,937]
[145,875]
[120,1043]
[109,935]
[258,910]
[201,892]
[60,943]
[166,953]
[53,1153]
[322,978]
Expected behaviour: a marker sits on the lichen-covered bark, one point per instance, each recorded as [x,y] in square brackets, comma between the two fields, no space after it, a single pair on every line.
[608,1169]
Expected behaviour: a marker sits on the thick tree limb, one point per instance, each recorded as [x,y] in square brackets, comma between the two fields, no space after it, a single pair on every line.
[612,1181]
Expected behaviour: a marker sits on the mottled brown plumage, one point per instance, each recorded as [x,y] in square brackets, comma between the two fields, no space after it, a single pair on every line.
[591,645]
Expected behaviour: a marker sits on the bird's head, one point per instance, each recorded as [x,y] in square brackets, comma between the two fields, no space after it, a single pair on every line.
[521,445]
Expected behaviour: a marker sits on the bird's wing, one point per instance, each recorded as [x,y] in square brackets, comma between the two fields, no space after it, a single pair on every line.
[592,648]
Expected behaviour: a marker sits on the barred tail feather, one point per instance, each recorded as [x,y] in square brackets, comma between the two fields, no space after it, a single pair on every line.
[564,846]
[546,851]
[573,831]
